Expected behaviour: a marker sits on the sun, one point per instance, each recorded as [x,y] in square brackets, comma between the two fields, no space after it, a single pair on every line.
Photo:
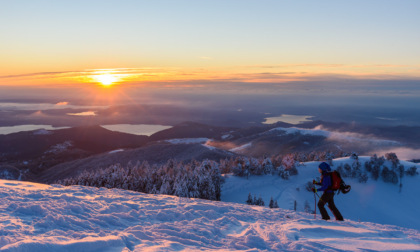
[106,79]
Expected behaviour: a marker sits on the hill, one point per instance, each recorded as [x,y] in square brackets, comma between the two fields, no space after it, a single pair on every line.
[153,153]
[36,217]
[373,201]
[294,139]
[31,152]
[34,155]
[190,130]
[92,139]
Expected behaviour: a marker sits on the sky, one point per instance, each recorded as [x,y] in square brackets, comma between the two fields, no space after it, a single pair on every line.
[188,44]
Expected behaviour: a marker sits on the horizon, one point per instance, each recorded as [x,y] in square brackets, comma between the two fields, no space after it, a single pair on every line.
[185,44]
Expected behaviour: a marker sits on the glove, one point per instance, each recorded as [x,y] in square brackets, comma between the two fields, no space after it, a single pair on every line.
[314,190]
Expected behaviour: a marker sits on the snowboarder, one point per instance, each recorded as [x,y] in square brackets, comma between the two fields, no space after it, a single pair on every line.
[328,195]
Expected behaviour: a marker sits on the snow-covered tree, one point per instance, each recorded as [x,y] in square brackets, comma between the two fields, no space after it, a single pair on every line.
[363,178]
[329,156]
[354,156]
[283,173]
[195,179]
[393,158]
[412,171]
[389,175]
[347,172]
[288,163]
[267,166]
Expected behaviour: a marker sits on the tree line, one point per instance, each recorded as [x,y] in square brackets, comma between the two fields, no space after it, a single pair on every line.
[193,180]
[203,179]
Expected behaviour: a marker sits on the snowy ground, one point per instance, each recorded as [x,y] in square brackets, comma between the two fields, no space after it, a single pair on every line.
[35,217]
[374,201]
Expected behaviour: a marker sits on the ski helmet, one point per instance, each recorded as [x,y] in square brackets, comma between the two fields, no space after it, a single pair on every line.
[324,167]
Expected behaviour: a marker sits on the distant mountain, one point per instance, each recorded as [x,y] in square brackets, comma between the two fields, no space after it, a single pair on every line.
[92,139]
[320,137]
[34,151]
[39,154]
[154,153]
[190,130]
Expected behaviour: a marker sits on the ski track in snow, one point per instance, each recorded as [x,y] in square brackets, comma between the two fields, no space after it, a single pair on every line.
[36,217]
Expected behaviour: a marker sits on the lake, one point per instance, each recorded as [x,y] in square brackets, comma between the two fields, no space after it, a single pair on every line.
[137,129]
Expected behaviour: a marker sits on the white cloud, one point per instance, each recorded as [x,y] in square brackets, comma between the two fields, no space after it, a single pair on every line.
[339,136]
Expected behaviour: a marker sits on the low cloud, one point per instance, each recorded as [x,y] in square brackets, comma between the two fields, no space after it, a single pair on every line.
[287,73]
[62,104]
[356,137]
[38,74]
[86,113]
[38,113]
[343,137]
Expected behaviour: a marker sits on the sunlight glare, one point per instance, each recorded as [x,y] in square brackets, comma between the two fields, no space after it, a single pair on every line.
[106,79]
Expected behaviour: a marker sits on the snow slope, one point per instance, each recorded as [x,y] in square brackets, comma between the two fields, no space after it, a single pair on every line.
[36,217]
[374,201]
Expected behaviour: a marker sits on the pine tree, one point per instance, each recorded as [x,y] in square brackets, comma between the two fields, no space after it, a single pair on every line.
[249,201]
[271,204]
[260,201]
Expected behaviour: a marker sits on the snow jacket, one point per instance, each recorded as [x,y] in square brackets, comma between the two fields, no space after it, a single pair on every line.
[325,182]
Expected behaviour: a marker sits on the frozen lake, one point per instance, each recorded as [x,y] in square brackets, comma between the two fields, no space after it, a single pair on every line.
[18,128]
[137,129]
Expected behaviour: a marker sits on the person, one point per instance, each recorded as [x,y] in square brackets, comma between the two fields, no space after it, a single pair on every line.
[328,195]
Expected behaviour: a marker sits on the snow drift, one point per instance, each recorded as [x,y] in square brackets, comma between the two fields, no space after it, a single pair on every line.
[36,217]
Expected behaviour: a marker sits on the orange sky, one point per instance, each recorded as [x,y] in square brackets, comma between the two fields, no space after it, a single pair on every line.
[137,42]
[257,73]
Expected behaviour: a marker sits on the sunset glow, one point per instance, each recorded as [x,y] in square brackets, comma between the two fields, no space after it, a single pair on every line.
[106,79]
[237,48]
[319,44]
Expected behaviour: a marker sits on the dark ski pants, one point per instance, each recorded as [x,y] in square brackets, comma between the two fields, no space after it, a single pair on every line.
[328,197]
